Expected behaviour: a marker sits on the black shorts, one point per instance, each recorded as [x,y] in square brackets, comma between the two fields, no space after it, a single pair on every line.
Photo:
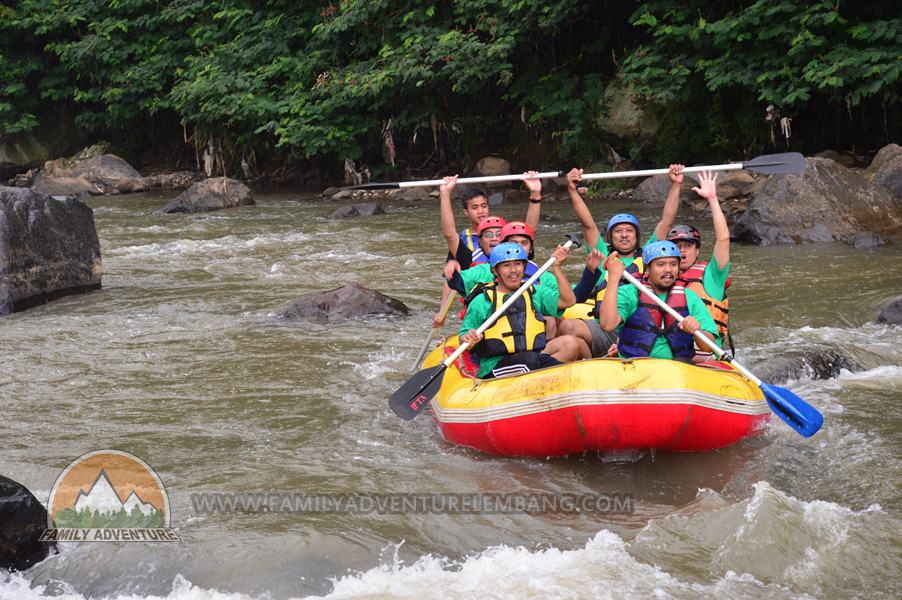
[523,362]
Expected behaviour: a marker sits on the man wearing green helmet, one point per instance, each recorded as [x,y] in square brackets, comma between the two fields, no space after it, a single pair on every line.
[517,342]
[645,329]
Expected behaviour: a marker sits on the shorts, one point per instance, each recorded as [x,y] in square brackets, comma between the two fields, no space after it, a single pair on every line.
[601,339]
[523,362]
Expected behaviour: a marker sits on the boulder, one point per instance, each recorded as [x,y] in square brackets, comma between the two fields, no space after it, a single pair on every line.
[89,173]
[864,240]
[809,363]
[365,209]
[216,193]
[654,189]
[48,249]
[623,116]
[886,169]
[22,521]
[330,191]
[492,165]
[847,160]
[347,302]
[17,156]
[416,194]
[827,202]
[892,314]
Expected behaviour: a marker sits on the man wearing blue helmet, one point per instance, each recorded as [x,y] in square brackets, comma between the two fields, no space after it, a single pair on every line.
[645,329]
[623,235]
[517,342]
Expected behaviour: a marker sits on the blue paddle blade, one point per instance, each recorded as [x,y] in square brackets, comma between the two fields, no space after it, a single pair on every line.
[797,413]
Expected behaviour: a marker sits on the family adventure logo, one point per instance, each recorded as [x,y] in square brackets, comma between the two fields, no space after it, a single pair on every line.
[108,496]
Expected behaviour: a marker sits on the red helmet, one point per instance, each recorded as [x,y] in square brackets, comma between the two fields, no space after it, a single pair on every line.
[684,233]
[490,223]
[517,228]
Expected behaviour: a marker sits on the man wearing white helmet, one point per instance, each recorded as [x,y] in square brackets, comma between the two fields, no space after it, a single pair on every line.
[517,342]
[645,329]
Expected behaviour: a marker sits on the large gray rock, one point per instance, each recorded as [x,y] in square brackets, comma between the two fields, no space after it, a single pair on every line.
[89,172]
[886,168]
[808,363]
[892,314]
[847,160]
[210,194]
[492,165]
[366,209]
[654,189]
[347,302]
[827,202]
[48,249]
[623,116]
[17,156]
[22,520]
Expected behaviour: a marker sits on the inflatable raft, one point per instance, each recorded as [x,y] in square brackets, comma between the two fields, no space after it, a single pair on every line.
[597,405]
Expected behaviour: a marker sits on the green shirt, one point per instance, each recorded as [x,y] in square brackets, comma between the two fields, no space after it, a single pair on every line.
[545,299]
[482,273]
[715,279]
[628,302]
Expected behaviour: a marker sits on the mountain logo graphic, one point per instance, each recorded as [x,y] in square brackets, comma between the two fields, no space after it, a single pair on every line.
[108,495]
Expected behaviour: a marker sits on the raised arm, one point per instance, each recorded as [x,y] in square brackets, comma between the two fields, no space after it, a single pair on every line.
[708,190]
[608,317]
[446,210]
[567,298]
[534,211]
[671,204]
[590,229]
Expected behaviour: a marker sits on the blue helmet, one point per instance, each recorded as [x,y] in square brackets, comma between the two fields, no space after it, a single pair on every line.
[506,251]
[623,218]
[662,249]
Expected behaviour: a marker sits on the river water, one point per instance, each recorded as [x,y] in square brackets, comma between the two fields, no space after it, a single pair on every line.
[181,360]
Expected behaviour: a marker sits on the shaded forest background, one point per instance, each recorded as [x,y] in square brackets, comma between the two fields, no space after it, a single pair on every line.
[406,87]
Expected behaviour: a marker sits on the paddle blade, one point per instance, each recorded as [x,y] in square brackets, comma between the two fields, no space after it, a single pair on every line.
[414,396]
[797,413]
[775,164]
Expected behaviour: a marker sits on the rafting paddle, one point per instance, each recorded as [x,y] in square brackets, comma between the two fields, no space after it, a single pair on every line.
[768,164]
[443,311]
[415,395]
[797,413]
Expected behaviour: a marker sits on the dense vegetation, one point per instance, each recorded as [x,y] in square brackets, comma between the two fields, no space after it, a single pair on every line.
[420,84]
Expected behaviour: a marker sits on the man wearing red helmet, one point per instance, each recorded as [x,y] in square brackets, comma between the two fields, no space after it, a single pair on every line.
[461,255]
[709,280]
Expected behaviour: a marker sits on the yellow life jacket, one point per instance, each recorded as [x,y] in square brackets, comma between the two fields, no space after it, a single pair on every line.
[636,268]
[519,329]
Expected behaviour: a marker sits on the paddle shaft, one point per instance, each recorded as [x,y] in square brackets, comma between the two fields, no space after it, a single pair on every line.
[507,303]
[585,176]
[446,305]
[698,333]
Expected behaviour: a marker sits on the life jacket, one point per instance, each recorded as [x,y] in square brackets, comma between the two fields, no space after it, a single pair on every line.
[471,241]
[636,268]
[519,329]
[642,328]
[693,279]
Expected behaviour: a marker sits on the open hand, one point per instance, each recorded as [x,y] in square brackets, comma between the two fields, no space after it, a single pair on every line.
[707,186]
[594,260]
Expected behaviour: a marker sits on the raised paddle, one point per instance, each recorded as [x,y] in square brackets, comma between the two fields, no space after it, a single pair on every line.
[443,311]
[415,395]
[768,164]
[800,415]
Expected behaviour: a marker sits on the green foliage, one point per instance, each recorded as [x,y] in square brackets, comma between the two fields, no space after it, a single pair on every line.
[86,519]
[456,79]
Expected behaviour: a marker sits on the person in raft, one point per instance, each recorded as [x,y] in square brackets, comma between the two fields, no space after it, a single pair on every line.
[645,329]
[466,249]
[623,235]
[709,280]
[516,342]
